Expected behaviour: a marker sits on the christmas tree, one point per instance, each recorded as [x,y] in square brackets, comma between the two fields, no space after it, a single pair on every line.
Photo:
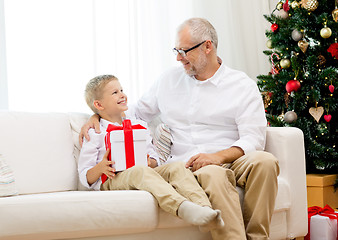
[300,89]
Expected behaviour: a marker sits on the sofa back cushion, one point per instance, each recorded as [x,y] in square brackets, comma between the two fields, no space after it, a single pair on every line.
[39,149]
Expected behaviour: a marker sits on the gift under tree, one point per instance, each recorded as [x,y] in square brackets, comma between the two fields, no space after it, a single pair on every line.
[301,89]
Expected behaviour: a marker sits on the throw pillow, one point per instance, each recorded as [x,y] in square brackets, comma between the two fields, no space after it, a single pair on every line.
[162,141]
[7,181]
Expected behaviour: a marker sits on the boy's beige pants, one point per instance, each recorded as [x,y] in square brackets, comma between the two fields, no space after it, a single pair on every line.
[170,184]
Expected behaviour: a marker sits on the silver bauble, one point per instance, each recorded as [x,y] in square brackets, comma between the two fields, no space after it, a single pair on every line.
[296,35]
[290,117]
[283,14]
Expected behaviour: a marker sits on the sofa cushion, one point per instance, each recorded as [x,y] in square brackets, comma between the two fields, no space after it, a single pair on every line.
[39,149]
[7,181]
[77,214]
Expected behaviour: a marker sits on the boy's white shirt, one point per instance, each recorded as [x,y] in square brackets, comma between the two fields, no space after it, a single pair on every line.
[92,151]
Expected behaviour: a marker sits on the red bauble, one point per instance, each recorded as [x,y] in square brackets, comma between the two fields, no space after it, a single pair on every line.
[274,27]
[333,49]
[327,117]
[331,88]
[292,85]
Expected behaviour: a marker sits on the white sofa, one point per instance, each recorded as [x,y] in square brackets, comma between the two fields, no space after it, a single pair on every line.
[42,150]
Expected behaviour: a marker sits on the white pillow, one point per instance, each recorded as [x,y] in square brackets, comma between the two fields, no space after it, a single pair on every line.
[7,181]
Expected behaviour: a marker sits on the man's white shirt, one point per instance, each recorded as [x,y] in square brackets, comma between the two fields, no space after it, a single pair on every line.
[206,116]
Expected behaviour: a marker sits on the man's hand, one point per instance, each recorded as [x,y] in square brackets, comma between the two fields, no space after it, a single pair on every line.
[151,162]
[93,122]
[204,159]
[225,156]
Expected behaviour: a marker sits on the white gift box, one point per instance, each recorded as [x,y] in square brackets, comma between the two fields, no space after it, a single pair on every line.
[323,228]
[118,154]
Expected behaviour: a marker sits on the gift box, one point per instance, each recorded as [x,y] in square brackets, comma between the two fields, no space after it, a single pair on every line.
[322,223]
[320,190]
[127,145]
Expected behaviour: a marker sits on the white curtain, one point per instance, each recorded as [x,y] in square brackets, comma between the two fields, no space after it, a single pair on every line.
[54,47]
[3,68]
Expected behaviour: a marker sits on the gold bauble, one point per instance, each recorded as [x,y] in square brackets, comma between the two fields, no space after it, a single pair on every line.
[335,15]
[269,44]
[325,32]
[310,5]
[285,63]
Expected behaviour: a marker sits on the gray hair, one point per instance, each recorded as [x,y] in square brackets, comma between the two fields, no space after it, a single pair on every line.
[200,30]
[94,89]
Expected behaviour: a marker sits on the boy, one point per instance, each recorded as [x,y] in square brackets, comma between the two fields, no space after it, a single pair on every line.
[174,187]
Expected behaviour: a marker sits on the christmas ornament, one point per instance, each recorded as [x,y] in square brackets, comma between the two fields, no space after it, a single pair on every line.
[292,85]
[290,117]
[296,35]
[279,5]
[274,27]
[269,44]
[327,117]
[303,45]
[333,49]
[295,4]
[286,6]
[285,63]
[321,60]
[331,88]
[275,69]
[325,32]
[283,14]
[316,112]
[309,5]
[267,98]
[335,14]
[287,99]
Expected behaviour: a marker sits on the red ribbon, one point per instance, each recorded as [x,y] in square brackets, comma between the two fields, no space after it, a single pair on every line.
[327,211]
[128,142]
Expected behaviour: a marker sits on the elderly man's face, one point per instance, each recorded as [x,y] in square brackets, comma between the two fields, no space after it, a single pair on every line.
[195,60]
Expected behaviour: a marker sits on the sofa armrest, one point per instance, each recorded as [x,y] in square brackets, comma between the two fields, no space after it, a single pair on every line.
[287,145]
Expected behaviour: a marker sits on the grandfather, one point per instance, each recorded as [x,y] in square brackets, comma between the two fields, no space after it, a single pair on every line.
[217,121]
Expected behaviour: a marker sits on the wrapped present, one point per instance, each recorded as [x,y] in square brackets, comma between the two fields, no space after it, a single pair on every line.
[127,144]
[322,223]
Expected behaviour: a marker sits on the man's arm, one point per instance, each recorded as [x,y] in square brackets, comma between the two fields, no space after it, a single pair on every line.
[219,158]
[93,122]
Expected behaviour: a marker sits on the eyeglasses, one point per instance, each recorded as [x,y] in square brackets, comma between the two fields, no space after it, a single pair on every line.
[183,53]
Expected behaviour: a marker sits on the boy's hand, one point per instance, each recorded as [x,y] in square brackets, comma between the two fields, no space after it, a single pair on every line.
[151,162]
[93,122]
[106,166]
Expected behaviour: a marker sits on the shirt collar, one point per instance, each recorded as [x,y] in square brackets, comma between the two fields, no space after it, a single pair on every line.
[104,123]
[215,79]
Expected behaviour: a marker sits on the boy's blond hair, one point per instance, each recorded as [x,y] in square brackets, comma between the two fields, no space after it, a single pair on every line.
[94,89]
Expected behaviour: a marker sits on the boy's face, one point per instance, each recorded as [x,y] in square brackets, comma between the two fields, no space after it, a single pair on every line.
[113,100]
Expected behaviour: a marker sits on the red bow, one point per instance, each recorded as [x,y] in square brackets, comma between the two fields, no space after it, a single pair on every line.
[128,142]
[327,211]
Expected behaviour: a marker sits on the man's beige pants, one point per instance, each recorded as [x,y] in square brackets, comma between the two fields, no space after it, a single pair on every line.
[170,184]
[256,173]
